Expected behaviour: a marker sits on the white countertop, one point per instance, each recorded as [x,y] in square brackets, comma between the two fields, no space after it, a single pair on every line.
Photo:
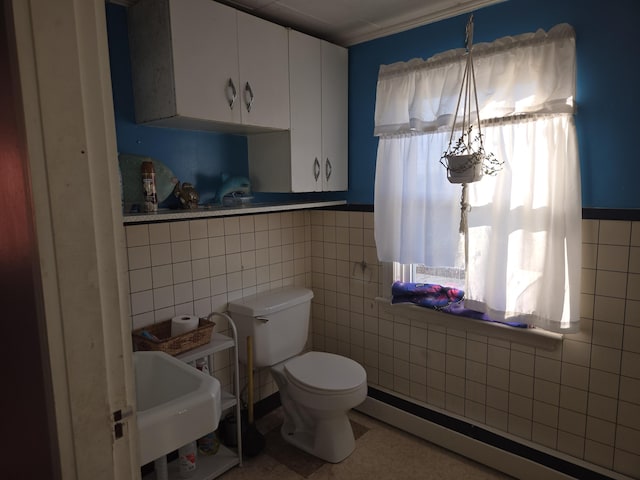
[164,215]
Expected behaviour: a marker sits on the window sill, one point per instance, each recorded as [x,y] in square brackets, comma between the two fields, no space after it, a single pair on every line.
[533,337]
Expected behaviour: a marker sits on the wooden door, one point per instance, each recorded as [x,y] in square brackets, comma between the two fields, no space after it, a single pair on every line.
[26,373]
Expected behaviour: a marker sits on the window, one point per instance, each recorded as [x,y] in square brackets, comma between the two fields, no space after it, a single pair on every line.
[420,273]
[521,243]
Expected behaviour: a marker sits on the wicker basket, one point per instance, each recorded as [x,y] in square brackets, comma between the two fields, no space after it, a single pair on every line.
[172,345]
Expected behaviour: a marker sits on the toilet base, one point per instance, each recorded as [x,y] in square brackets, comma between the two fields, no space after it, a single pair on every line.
[332,440]
[317,423]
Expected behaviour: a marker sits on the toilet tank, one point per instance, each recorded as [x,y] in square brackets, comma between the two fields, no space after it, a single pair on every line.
[278,321]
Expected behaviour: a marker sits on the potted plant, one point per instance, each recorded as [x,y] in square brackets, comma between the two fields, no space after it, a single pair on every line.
[467,161]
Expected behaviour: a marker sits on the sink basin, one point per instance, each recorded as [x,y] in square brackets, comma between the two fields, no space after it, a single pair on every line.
[176,404]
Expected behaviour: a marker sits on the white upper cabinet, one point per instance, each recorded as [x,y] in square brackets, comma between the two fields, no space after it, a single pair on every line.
[264,72]
[305,89]
[312,156]
[200,64]
[334,117]
[205,60]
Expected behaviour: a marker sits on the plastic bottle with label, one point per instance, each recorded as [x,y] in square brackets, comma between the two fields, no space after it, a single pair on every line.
[149,187]
[187,455]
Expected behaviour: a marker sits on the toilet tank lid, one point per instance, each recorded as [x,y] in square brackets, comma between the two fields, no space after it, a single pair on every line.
[269,302]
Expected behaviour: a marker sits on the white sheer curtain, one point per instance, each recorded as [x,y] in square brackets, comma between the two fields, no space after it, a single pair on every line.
[524,234]
[416,209]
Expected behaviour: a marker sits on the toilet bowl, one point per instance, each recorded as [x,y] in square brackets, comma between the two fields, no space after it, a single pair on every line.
[318,401]
[317,389]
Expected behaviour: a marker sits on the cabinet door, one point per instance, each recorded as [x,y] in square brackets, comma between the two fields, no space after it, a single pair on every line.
[264,72]
[205,60]
[334,117]
[306,112]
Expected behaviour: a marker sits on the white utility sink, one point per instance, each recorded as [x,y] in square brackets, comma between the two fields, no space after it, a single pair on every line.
[176,404]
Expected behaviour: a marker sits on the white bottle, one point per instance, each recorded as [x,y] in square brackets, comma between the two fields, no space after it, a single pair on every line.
[187,459]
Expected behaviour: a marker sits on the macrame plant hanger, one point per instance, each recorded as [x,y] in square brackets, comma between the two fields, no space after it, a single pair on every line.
[473,158]
[465,159]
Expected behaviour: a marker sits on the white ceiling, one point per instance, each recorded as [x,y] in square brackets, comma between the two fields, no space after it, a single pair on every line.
[347,22]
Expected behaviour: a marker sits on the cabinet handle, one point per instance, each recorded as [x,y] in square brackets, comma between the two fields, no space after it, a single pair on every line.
[316,169]
[247,89]
[231,99]
[327,169]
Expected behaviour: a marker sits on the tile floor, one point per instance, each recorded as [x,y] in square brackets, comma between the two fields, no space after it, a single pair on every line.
[382,452]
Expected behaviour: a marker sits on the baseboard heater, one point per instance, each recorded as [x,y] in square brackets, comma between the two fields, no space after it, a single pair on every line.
[475,442]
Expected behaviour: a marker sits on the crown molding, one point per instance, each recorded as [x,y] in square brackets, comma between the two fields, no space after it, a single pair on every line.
[428,17]
[421,17]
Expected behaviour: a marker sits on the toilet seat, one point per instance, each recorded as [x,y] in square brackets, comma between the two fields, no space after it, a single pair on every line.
[325,373]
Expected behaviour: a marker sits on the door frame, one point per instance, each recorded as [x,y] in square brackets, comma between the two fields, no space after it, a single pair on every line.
[64,75]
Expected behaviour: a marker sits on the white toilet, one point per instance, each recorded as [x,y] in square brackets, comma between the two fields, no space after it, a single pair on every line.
[317,389]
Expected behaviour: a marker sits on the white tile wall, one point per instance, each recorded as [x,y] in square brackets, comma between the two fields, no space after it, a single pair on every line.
[196,267]
[582,400]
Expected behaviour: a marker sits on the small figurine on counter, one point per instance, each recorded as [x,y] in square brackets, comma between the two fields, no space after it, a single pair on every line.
[187,195]
[233,185]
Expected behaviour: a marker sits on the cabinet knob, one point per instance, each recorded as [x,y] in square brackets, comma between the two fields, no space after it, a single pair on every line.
[327,169]
[316,169]
[248,90]
[231,88]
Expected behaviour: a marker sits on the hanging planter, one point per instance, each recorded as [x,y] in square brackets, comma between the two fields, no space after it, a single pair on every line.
[463,168]
[465,159]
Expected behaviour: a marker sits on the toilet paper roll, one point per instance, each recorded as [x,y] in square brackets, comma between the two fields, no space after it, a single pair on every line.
[183,324]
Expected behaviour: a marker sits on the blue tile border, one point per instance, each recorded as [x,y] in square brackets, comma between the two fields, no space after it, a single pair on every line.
[627,214]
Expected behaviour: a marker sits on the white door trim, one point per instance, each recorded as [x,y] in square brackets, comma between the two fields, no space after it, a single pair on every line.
[64,75]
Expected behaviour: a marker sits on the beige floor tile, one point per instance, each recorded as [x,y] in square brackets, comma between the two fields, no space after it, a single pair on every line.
[382,452]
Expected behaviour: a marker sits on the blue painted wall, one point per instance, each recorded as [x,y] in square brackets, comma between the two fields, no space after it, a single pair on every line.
[193,156]
[196,157]
[608,87]
[607,94]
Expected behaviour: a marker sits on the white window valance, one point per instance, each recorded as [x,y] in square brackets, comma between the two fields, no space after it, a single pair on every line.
[512,78]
